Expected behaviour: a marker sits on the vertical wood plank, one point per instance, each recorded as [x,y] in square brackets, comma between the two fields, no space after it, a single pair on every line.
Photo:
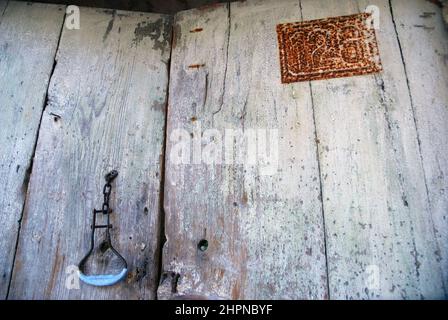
[379,231]
[106,110]
[29,35]
[265,232]
[424,43]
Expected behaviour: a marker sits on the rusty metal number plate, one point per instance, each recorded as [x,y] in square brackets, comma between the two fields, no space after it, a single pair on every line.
[328,48]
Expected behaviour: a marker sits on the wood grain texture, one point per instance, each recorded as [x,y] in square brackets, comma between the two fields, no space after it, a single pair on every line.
[424,43]
[106,110]
[265,232]
[28,40]
[380,236]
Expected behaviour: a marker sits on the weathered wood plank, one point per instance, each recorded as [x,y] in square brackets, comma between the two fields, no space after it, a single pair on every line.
[380,238]
[106,110]
[424,42]
[265,232]
[29,35]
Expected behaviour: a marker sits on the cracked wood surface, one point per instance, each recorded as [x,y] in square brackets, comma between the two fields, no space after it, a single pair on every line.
[29,35]
[380,236]
[265,232]
[106,110]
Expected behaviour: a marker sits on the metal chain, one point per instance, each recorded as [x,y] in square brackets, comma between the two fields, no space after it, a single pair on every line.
[106,193]
[107,190]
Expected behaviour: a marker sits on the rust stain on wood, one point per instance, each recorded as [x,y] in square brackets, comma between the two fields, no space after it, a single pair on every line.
[327,48]
[54,271]
[196,66]
[196,30]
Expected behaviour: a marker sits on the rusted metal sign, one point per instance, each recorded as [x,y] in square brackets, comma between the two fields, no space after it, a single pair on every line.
[328,48]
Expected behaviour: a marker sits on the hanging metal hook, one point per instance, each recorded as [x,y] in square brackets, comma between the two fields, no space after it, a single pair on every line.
[103,279]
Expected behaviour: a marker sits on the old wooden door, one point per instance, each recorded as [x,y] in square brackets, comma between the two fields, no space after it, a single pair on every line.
[356,206]
[232,184]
